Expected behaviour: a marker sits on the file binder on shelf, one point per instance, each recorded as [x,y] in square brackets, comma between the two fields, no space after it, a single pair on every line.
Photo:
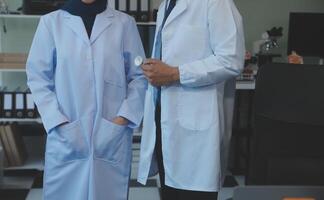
[139,9]
[133,8]
[17,104]
[8,104]
[112,4]
[2,163]
[5,161]
[15,152]
[17,146]
[6,145]
[31,110]
[144,13]
[122,5]
[19,107]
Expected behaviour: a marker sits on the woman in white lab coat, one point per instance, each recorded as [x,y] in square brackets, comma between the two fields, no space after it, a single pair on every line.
[90,96]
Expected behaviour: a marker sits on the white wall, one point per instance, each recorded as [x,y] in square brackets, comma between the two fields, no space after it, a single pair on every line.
[261,15]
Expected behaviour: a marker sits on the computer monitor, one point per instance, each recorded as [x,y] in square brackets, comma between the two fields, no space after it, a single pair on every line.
[306,34]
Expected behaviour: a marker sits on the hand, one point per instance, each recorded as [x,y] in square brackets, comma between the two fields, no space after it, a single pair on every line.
[159,73]
[121,121]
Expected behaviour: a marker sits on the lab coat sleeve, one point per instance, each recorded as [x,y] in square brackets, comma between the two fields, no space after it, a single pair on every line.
[227,43]
[40,77]
[133,106]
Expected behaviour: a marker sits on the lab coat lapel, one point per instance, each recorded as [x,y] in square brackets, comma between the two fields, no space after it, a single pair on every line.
[77,26]
[180,7]
[102,22]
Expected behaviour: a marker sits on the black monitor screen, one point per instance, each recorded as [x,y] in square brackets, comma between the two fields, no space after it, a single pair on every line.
[306,34]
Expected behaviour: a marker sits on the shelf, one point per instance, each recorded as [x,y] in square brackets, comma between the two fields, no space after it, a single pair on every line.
[16,16]
[13,62]
[36,120]
[12,67]
[33,162]
[12,70]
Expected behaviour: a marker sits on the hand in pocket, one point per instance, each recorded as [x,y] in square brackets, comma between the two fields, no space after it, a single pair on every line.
[121,121]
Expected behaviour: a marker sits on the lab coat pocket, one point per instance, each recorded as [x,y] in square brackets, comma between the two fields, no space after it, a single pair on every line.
[114,95]
[109,141]
[196,108]
[67,143]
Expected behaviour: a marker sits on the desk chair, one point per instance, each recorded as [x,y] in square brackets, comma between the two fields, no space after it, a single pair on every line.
[287,143]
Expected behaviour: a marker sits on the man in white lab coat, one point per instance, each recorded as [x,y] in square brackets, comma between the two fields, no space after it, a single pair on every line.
[198,51]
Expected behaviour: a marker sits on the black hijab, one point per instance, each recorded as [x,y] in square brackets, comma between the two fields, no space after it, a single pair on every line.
[87,12]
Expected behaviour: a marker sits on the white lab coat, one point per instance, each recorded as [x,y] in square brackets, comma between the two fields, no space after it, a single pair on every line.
[205,39]
[86,83]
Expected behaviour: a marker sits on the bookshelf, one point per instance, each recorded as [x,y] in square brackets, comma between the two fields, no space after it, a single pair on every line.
[36,120]
[35,159]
